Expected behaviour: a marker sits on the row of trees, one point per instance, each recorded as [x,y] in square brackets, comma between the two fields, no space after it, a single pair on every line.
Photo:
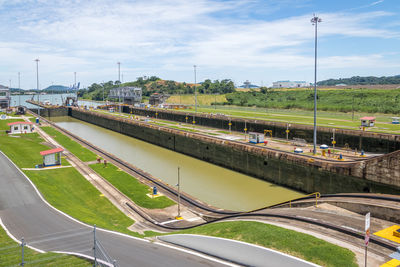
[154,84]
[355,80]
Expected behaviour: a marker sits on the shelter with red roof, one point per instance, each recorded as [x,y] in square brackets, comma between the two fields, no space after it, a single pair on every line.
[52,157]
[367,121]
[19,127]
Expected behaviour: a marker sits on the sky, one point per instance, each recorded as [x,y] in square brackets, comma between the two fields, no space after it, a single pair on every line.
[255,40]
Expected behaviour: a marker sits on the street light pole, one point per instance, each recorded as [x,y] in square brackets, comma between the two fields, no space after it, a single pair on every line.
[119,72]
[179,196]
[37,83]
[19,89]
[195,89]
[315,20]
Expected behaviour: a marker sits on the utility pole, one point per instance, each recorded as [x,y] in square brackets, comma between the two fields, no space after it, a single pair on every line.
[119,82]
[179,196]
[19,88]
[119,72]
[195,89]
[37,83]
[352,107]
[75,79]
[315,20]
[94,247]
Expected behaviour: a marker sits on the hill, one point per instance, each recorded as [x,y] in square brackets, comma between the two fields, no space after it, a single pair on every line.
[56,88]
[358,80]
[154,84]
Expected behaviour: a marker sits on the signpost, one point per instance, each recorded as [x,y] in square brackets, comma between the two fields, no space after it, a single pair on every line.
[367,233]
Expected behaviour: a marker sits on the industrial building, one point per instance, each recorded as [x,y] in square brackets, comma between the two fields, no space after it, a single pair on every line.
[290,84]
[128,95]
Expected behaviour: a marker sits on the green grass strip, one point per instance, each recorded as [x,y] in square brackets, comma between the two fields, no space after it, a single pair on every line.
[131,187]
[81,152]
[67,190]
[24,149]
[291,242]
[10,255]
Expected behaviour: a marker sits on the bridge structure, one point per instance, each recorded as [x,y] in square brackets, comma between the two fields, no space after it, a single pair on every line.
[128,95]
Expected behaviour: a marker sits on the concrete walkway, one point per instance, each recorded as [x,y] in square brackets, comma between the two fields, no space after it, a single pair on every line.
[235,251]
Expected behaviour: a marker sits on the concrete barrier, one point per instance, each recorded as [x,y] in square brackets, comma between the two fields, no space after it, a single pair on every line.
[283,168]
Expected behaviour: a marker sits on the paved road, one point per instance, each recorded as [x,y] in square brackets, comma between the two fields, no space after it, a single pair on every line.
[25,214]
[237,252]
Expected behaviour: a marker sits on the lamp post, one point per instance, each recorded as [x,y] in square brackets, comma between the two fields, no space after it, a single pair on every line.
[315,20]
[178,217]
[195,89]
[119,82]
[119,72]
[37,83]
[19,89]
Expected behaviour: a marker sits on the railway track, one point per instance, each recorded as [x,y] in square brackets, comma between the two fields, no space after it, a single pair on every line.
[224,215]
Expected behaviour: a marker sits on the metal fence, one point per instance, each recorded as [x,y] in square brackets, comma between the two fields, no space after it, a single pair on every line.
[22,254]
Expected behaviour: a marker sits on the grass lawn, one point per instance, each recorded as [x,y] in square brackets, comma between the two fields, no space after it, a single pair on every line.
[10,255]
[81,152]
[291,242]
[324,118]
[67,190]
[131,187]
[23,149]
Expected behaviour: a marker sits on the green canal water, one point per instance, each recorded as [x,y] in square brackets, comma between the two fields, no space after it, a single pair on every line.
[209,183]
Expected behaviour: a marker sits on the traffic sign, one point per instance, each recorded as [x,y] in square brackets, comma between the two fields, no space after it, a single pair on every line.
[287,131]
[333,142]
[367,226]
[367,221]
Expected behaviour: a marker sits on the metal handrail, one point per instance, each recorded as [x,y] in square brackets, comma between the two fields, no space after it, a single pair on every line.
[317,196]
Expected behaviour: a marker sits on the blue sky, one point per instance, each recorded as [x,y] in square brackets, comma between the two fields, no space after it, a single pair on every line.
[260,41]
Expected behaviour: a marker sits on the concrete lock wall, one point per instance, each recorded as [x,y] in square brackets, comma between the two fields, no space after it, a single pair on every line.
[282,168]
[51,112]
[368,141]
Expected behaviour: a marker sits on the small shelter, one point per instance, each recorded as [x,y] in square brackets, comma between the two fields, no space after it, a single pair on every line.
[367,121]
[256,138]
[20,127]
[395,120]
[52,157]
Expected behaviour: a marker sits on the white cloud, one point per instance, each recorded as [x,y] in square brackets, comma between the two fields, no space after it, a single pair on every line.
[163,36]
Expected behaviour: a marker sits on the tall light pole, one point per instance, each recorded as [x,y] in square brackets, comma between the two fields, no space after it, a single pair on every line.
[178,217]
[75,79]
[37,83]
[119,72]
[119,82]
[19,89]
[195,89]
[315,20]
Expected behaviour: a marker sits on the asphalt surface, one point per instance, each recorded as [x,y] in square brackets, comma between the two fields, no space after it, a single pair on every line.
[236,252]
[25,214]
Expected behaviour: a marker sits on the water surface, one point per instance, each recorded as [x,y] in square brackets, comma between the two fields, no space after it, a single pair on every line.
[209,183]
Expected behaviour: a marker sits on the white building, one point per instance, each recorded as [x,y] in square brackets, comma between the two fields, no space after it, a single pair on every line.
[52,157]
[19,127]
[290,84]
